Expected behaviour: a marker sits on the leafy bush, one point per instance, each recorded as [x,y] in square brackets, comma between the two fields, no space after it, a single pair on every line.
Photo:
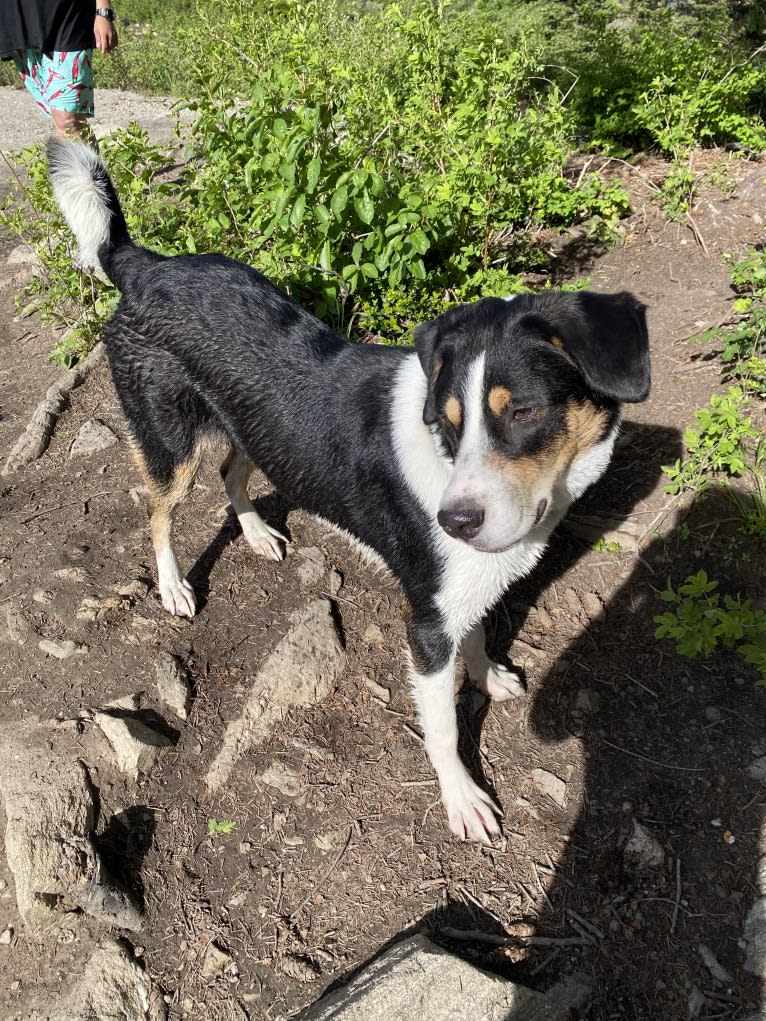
[719,445]
[666,76]
[349,186]
[699,623]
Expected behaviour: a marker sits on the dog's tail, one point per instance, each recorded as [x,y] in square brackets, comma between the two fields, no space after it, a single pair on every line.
[89,202]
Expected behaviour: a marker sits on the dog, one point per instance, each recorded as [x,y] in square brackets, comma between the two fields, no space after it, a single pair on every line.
[451,464]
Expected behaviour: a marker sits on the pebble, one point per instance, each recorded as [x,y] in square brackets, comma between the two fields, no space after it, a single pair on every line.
[311,570]
[62,650]
[548,783]
[92,437]
[592,604]
[588,700]
[373,635]
[712,713]
[283,778]
[6,936]
[757,769]
[643,850]
[42,596]
[216,962]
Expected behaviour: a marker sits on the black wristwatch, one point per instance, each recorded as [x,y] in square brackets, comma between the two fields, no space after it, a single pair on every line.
[105,12]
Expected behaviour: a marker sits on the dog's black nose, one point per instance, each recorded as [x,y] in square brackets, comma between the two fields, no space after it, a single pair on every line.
[463,523]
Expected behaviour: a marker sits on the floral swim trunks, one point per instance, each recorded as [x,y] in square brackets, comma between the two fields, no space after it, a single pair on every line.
[61,80]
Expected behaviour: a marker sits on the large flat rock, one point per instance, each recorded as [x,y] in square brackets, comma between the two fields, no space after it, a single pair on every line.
[419,981]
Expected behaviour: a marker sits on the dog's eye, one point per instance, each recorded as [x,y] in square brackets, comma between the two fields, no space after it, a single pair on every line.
[523,414]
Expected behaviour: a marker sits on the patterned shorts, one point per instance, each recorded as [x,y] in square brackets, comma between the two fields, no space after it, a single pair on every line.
[59,81]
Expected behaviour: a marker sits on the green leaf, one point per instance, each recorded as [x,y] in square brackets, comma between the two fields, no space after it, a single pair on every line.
[365,207]
[339,201]
[419,241]
[296,216]
[312,174]
[325,257]
[220,827]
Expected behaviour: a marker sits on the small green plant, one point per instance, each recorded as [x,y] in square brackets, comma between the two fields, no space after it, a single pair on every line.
[752,506]
[220,827]
[602,546]
[701,622]
[720,444]
[678,190]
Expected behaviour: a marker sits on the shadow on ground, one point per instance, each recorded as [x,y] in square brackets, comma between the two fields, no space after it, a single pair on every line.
[667,743]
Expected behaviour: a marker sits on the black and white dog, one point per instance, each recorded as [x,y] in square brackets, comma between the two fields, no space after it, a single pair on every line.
[451,463]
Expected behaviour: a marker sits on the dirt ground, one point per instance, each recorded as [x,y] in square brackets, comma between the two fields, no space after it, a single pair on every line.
[316,878]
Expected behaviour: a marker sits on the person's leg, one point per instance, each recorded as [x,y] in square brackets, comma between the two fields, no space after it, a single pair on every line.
[28,65]
[67,83]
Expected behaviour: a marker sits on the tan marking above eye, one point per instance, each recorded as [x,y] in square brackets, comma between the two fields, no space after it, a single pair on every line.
[435,374]
[498,398]
[454,411]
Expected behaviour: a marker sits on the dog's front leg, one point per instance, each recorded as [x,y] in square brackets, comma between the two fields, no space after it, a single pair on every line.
[471,811]
[493,679]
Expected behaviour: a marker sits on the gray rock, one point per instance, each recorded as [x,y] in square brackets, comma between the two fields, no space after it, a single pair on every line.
[62,650]
[757,769]
[18,629]
[548,783]
[755,938]
[23,255]
[300,671]
[48,838]
[419,980]
[136,746]
[283,778]
[113,987]
[173,683]
[714,966]
[311,571]
[642,850]
[92,437]
[588,700]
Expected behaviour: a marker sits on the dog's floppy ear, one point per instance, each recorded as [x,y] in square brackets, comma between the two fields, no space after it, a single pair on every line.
[605,336]
[427,341]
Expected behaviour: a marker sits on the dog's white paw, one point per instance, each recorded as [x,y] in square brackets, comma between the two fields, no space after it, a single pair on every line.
[178,598]
[500,683]
[471,812]
[266,541]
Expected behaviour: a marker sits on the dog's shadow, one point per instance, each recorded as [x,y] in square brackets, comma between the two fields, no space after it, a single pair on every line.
[271,507]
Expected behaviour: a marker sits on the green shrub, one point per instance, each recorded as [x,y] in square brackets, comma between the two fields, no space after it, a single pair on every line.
[415,160]
[699,623]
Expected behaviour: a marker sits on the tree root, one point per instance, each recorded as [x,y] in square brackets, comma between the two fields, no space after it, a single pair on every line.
[33,442]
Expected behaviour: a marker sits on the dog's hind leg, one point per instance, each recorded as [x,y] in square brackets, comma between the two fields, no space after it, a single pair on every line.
[495,680]
[236,470]
[165,493]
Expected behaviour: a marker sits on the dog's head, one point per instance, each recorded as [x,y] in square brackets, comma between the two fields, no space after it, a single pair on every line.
[520,391]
